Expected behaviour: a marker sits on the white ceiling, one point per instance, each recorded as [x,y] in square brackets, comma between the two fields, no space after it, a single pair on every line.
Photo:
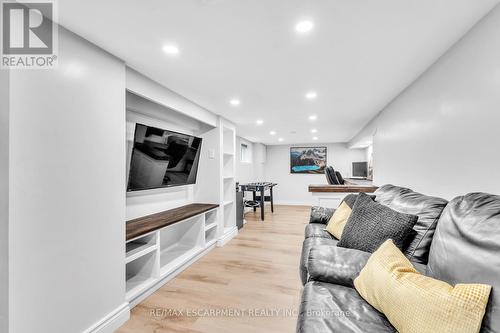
[358,57]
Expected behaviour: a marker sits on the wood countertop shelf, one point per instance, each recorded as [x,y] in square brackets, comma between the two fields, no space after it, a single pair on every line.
[143,225]
[342,188]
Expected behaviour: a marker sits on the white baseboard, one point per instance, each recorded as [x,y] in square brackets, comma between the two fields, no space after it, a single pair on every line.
[224,239]
[112,321]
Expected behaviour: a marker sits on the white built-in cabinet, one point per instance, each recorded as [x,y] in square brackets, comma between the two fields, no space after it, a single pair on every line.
[228,188]
[153,259]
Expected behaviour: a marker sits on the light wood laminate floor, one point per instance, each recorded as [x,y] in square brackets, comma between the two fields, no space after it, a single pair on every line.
[250,285]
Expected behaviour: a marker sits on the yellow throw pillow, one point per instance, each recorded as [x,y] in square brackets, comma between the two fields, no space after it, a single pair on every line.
[415,303]
[338,220]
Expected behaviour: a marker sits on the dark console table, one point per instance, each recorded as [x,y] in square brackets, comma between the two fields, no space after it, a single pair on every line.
[259,200]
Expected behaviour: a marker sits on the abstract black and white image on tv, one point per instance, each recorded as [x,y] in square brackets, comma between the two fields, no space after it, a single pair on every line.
[308,160]
[162,158]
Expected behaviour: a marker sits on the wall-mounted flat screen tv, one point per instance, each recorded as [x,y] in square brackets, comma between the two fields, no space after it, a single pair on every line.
[162,158]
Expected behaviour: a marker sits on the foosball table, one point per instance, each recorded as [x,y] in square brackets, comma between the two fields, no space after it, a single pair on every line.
[259,196]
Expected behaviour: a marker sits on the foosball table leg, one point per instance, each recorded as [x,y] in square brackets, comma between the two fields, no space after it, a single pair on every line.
[271,197]
[262,201]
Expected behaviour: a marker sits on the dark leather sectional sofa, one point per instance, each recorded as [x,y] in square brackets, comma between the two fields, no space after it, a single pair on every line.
[456,241]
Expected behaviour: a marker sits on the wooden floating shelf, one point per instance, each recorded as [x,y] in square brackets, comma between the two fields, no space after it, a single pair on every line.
[343,188]
[144,225]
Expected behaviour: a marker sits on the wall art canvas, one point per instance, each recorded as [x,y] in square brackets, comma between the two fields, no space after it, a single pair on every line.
[310,160]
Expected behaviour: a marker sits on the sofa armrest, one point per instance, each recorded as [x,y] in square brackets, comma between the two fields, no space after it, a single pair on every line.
[336,265]
[321,214]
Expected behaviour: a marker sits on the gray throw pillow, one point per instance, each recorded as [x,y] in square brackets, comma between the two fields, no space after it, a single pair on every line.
[371,224]
[350,200]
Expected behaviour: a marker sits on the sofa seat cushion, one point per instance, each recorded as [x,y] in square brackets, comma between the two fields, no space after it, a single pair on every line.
[317,230]
[306,248]
[428,209]
[335,264]
[329,308]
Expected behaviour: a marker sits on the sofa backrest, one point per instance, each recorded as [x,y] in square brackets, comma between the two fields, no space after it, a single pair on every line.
[427,208]
[466,248]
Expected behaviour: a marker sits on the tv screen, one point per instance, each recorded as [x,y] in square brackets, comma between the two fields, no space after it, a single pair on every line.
[162,158]
[360,169]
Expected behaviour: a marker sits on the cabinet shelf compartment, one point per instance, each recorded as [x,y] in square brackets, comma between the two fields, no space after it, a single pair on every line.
[140,246]
[229,190]
[140,274]
[211,219]
[228,137]
[180,242]
[229,216]
[228,165]
[210,236]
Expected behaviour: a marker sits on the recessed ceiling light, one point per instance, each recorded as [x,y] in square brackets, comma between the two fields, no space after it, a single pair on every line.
[311,95]
[235,102]
[315,138]
[281,139]
[304,26]
[259,121]
[314,130]
[170,49]
[272,132]
[313,117]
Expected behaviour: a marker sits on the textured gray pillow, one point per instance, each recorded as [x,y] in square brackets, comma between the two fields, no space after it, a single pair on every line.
[350,200]
[371,224]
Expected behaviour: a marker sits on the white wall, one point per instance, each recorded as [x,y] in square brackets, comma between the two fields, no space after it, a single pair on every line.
[245,172]
[4,200]
[152,90]
[208,182]
[441,135]
[142,203]
[293,188]
[147,202]
[67,182]
[255,170]
[143,111]
[259,160]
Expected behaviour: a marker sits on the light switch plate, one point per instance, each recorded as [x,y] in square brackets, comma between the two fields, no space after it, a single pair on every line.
[211,154]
